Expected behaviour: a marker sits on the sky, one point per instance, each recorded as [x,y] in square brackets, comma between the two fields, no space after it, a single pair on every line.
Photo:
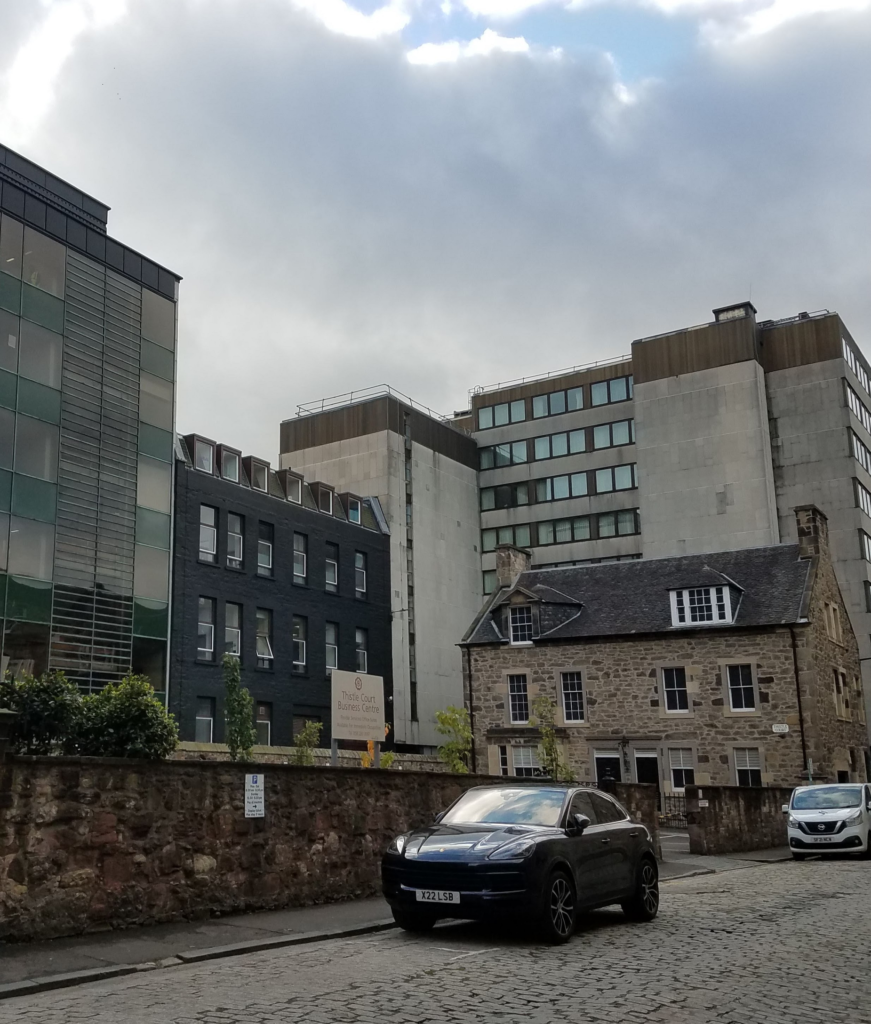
[441,194]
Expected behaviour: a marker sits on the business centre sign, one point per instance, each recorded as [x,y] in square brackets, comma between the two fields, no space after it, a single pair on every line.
[358,706]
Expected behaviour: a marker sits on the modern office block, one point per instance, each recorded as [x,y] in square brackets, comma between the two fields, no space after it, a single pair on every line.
[87,371]
[292,579]
[423,471]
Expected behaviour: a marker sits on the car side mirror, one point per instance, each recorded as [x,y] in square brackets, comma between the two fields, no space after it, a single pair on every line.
[785,808]
[577,824]
[438,818]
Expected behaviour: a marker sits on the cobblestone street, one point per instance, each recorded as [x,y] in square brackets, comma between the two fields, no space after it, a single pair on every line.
[772,944]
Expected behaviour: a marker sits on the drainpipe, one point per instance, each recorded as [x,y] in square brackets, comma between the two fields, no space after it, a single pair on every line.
[798,696]
[467,657]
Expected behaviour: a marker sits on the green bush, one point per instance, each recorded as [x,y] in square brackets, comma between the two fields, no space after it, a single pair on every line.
[48,708]
[305,743]
[124,720]
[456,751]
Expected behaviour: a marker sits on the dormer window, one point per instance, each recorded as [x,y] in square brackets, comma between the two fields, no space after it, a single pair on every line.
[325,500]
[259,476]
[230,466]
[354,510]
[698,605]
[520,624]
[294,489]
[204,456]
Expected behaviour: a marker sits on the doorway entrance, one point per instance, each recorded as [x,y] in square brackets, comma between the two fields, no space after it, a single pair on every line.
[608,768]
[647,767]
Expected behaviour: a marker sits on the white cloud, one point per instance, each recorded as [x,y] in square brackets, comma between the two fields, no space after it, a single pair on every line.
[450,52]
[341,17]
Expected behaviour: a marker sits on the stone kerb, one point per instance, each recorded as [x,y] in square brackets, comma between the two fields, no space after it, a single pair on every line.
[735,819]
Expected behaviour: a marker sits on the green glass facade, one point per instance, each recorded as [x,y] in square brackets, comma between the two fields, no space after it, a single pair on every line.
[87,372]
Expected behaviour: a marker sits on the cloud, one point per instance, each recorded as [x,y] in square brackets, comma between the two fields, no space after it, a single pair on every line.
[341,17]
[343,217]
[489,42]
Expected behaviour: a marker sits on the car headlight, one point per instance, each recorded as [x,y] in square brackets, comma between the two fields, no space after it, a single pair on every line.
[792,822]
[854,819]
[515,851]
[398,845]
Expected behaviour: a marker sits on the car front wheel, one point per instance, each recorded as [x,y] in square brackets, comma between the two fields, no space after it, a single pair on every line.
[557,915]
[643,905]
[410,921]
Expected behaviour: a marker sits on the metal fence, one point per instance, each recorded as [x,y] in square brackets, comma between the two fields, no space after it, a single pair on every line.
[674,811]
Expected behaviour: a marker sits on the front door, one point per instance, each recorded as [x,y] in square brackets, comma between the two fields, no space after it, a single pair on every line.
[608,768]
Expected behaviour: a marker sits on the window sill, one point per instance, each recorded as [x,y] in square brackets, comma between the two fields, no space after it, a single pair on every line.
[205,661]
[299,582]
[265,576]
[262,668]
[205,561]
[521,643]
[235,568]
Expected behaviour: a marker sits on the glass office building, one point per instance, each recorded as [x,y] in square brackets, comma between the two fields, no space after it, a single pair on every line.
[87,372]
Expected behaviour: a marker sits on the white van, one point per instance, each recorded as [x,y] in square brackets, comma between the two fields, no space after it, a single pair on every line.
[829,819]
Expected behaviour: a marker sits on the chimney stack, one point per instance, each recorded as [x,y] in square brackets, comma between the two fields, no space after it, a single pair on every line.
[813,530]
[510,563]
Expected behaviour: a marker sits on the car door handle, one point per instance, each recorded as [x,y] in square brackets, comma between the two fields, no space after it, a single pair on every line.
[606,840]
[633,834]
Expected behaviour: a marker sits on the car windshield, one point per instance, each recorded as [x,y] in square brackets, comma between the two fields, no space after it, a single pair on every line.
[507,807]
[826,797]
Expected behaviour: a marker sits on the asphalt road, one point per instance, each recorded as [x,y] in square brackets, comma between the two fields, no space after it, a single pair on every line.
[774,944]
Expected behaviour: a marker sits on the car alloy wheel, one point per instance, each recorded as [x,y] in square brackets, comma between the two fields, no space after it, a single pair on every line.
[562,907]
[649,888]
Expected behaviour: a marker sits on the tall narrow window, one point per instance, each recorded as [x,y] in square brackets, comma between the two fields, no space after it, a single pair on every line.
[742,696]
[263,725]
[230,466]
[674,686]
[682,770]
[331,571]
[503,760]
[266,533]
[294,489]
[235,542]
[263,639]
[233,629]
[361,640]
[354,510]
[300,629]
[573,696]
[332,645]
[206,629]
[259,476]
[360,583]
[521,624]
[325,500]
[208,533]
[518,699]
[748,766]
[841,701]
[204,456]
[204,727]
[300,557]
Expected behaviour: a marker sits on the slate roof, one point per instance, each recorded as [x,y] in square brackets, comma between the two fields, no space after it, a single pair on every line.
[622,598]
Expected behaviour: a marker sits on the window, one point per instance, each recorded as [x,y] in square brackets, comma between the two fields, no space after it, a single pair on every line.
[674,688]
[867,585]
[360,574]
[325,500]
[154,484]
[700,604]
[41,354]
[489,581]
[748,766]
[361,641]
[294,489]
[607,391]
[206,629]
[355,510]
[521,624]
[235,542]
[833,622]
[11,244]
[505,496]
[300,557]
[499,415]
[615,478]
[682,771]
[332,643]
[300,631]
[31,548]
[503,760]
[259,476]
[842,704]
[36,447]
[204,727]
[233,629]
[518,699]
[573,696]
[155,401]
[208,533]
[331,572]
[263,725]
[863,497]
[525,762]
[204,456]
[265,536]
[44,263]
[499,455]
[866,545]
[263,638]
[613,524]
[742,695]
[150,573]
[230,466]
[606,810]
[557,402]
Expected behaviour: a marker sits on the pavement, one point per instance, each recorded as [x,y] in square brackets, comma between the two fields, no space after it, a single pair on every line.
[96,956]
[779,943]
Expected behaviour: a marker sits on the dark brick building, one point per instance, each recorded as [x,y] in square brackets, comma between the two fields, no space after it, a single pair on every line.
[289,575]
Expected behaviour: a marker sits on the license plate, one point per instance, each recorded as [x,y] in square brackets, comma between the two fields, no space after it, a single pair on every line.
[436,896]
[822,839]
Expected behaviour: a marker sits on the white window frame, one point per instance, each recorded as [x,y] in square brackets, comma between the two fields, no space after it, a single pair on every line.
[331,648]
[299,645]
[720,599]
[529,770]
[258,721]
[201,446]
[331,585]
[355,510]
[238,462]
[206,653]
[747,767]
[264,547]
[229,630]
[328,511]
[512,677]
[360,574]
[294,490]
[361,647]
[207,531]
[263,642]
[665,692]
[300,557]
[740,665]
[210,720]
[672,767]
[264,468]
[518,630]
[578,693]
[232,535]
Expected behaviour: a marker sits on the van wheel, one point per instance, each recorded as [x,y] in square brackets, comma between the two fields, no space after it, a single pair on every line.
[799,856]
[556,917]
[409,921]
[644,902]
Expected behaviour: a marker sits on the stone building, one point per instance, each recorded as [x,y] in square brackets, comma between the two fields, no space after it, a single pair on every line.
[726,668]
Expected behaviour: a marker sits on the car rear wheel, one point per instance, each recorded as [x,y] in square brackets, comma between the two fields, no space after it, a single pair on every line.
[644,902]
[412,921]
[556,919]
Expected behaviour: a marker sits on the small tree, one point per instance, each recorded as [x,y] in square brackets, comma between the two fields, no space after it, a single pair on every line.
[124,720]
[457,750]
[239,711]
[47,707]
[550,754]
[305,743]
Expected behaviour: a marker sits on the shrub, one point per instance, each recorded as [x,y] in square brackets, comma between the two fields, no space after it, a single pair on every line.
[549,751]
[305,743]
[124,720]
[456,751]
[239,709]
[47,706]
